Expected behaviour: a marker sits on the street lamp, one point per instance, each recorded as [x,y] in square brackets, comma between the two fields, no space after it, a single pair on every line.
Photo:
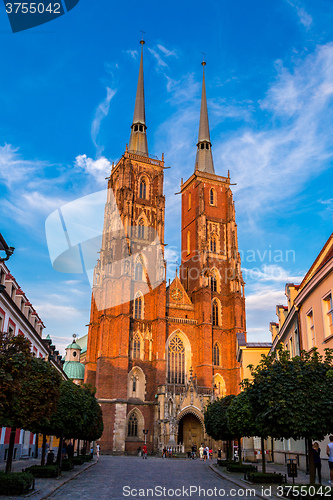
[5,248]
[145,431]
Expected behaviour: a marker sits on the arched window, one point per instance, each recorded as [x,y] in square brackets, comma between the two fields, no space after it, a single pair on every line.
[216,354]
[138,307]
[189,201]
[134,384]
[213,243]
[176,361]
[212,197]
[213,283]
[141,229]
[188,242]
[132,426]
[215,313]
[138,271]
[143,188]
[136,346]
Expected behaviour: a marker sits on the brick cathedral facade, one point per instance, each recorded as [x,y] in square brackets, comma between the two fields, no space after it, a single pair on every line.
[158,353]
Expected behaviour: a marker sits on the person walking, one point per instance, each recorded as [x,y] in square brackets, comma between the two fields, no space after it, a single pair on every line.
[97,451]
[144,449]
[201,450]
[207,452]
[329,452]
[317,459]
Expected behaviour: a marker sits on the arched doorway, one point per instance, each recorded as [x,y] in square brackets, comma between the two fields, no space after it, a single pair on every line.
[190,431]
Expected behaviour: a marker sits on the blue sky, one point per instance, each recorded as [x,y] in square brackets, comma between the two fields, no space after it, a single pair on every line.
[66,105]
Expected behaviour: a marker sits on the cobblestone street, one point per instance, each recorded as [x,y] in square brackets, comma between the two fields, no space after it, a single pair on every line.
[122,477]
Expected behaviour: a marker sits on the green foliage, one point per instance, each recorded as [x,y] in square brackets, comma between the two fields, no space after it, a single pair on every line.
[241,419]
[67,465]
[241,468]
[293,398]
[16,483]
[29,387]
[225,463]
[44,470]
[216,419]
[78,460]
[268,477]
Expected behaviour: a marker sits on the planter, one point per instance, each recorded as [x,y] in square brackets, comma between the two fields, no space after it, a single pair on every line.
[242,468]
[16,483]
[271,478]
[45,471]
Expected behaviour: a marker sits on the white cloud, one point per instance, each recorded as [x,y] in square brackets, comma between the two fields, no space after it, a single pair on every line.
[304,18]
[273,273]
[99,168]
[167,52]
[132,53]
[13,168]
[157,56]
[101,112]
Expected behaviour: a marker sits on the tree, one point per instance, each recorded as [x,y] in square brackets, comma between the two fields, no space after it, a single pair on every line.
[293,398]
[29,388]
[216,421]
[242,422]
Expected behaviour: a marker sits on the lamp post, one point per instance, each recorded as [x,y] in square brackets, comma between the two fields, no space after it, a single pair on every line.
[5,248]
[145,431]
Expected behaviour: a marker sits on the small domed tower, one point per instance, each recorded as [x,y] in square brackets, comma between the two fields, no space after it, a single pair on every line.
[72,366]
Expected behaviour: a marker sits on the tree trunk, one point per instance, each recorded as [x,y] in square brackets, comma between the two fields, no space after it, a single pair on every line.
[311,462]
[10,450]
[78,448]
[239,451]
[42,462]
[263,463]
[36,446]
[60,446]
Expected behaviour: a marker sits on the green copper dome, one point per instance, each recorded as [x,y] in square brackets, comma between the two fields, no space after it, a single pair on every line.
[74,370]
[74,345]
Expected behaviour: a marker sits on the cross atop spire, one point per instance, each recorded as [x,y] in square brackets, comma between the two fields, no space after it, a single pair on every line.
[204,158]
[138,140]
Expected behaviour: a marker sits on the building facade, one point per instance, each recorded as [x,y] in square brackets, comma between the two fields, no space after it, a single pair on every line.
[305,323]
[158,353]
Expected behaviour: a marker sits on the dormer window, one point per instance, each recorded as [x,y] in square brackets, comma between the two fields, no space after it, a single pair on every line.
[202,146]
[74,354]
[141,128]
[136,128]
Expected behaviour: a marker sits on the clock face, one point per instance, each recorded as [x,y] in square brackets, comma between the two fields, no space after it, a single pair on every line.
[177,294]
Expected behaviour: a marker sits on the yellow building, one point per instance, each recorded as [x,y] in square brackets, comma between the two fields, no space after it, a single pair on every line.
[306,322]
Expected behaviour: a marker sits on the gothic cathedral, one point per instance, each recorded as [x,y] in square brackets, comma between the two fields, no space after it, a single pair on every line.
[159,353]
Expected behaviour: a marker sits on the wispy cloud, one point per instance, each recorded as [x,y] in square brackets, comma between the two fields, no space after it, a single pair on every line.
[275,162]
[101,112]
[160,53]
[304,18]
[133,53]
[14,168]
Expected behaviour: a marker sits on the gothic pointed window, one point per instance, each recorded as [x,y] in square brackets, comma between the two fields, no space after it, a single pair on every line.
[213,243]
[136,346]
[176,361]
[141,229]
[132,430]
[212,197]
[213,283]
[216,354]
[134,384]
[143,188]
[215,313]
[138,307]
[138,271]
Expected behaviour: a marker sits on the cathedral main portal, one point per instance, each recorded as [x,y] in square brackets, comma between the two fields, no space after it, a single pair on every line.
[190,431]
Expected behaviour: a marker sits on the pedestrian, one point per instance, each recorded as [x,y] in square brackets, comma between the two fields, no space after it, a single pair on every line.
[201,450]
[164,452]
[219,454]
[210,454]
[170,452]
[205,454]
[144,449]
[98,449]
[329,452]
[92,451]
[317,459]
[70,450]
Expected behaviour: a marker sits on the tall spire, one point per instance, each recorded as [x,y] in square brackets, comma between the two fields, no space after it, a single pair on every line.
[204,158]
[138,140]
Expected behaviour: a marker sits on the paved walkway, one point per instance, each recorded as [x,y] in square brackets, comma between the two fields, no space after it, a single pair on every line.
[120,477]
[45,487]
